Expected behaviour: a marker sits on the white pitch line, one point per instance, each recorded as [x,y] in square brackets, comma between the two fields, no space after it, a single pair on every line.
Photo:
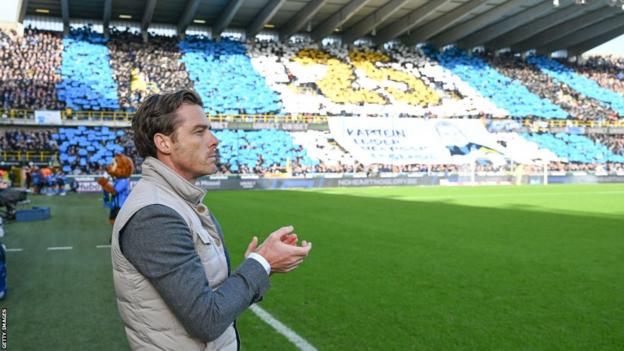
[102,246]
[293,337]
[14,250]
[58,248]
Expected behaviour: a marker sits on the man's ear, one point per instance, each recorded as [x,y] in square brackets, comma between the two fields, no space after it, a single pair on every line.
[163,143]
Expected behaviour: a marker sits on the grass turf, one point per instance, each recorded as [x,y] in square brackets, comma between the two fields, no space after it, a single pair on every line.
[513,268]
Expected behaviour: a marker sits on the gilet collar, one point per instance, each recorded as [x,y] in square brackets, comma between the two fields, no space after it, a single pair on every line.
[156,171]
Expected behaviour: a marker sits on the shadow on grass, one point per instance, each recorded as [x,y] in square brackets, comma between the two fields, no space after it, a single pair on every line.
[593,200]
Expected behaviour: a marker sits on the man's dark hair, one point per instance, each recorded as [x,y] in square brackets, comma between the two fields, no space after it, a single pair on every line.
[157,115]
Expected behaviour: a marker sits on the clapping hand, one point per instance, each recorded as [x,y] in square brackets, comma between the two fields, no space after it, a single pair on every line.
[280,250]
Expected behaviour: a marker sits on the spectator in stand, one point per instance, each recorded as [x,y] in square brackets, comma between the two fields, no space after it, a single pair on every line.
[27,140]
[333,80]
[306,153]
[539,83]
[578,82]
[614,142]
[34,141]
[29,70]
[608,71]
[142,69]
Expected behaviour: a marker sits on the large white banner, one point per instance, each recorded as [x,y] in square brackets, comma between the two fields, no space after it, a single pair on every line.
[48,117]
[409,140]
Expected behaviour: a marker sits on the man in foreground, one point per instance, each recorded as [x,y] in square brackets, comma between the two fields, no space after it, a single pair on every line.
[170,268]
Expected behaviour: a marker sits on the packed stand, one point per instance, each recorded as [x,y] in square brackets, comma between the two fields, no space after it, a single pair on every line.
[142,69]
[70,151]
[578,82]
[260,152]
[298,93]
[575,104]
[25,145]
[24,139]
[331,157]
[275,152]
[298,78]
[503,91]
[87,77]
[599,168]
[524,150]
[575,148]
[85,150]
[335,159]
[379,83]
[459,98]
[332,80]
[29,69]
[615,142]
[607,71]
[225,79]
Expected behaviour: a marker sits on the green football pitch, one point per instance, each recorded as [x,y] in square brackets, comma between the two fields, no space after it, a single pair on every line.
[433,268]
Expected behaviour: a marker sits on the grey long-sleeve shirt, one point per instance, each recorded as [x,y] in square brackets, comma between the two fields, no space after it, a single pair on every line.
[159,243]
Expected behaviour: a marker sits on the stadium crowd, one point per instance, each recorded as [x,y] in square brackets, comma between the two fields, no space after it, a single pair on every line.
[142,69]
[296,78]
[44,146]
[578,82]
[29,69]
[506,93]
[273,77]
[615,143]
[333,80]
[86,151]
[458,97]
[225,78]
[608,71]
[544,86]
[27,140]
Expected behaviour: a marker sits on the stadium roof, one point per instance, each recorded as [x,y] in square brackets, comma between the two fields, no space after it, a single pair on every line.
[575,25]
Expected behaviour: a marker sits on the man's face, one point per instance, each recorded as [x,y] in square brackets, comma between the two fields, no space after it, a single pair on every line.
[194,151]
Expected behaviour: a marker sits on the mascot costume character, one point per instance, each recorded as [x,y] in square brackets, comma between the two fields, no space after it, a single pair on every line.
[116,194]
